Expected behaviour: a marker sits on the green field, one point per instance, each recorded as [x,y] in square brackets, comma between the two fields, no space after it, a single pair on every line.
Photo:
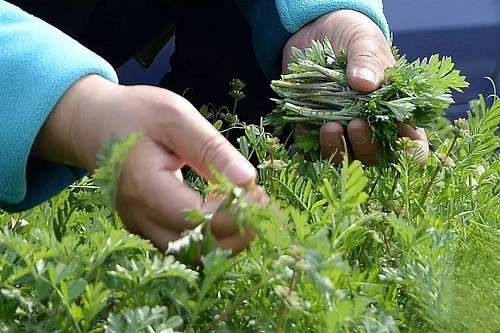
[404,248]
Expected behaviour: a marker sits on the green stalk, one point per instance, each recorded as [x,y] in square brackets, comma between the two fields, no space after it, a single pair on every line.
[235,106]
[438,168]
[320,86]
[238,303]
[304,76]
[284,310]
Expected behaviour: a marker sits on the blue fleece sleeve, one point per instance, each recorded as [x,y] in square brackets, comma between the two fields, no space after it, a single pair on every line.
[297,13]
[268,33]
[38,63]
[273,22]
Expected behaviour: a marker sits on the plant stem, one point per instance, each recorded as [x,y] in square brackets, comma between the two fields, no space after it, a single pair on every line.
[236,304]
[284,310]
[235,106]
[393,188]
[436,171]
[30,265]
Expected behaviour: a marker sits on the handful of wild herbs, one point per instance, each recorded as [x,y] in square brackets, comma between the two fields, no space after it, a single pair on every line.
[316,91]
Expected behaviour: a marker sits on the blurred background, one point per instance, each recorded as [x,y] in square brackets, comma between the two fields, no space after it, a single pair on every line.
[469,31]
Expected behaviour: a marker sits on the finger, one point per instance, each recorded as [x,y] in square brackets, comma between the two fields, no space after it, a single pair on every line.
[419,138]
[156,194]
[361,139]
[224,224]
[161,236]
[173,199]
[237,242]
[158,234]
[368,56]
[300,130]
[332,145]
[228,233]
[368,53]
[365,69]
[196,141]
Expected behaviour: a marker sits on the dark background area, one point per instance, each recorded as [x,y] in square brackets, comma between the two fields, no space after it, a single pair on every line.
[469,31]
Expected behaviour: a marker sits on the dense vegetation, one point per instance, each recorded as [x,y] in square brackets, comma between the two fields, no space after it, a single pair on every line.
[404,248]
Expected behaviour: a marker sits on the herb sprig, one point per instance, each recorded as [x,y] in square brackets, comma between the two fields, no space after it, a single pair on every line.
[316,91]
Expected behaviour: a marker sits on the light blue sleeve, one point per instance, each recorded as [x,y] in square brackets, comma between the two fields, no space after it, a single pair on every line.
[38,63]
[297,13]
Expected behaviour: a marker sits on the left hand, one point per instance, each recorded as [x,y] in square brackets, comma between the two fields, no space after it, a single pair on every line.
[151,194]
[368,56]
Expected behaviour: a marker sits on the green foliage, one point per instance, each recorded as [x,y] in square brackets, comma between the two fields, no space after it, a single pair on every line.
[315,91]
[145,319]
[340,249]
[110,162]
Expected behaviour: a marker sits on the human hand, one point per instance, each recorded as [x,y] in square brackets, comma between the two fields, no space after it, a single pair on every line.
[152,197]
[368,55]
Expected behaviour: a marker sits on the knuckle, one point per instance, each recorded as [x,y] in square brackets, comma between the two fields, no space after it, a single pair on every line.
[371,57]
[366,44]
[172,108]
[164,104]
[360,34]
[166,111]
[212,149]
[179,104]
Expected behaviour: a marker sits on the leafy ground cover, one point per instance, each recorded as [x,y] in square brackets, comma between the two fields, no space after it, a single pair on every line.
[404,248]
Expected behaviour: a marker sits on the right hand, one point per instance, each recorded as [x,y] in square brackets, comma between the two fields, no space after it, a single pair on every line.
[152,197]
[368,55]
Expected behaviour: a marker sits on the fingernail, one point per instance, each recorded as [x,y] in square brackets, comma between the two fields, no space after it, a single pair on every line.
[366,74]
[214,197]
[240,173]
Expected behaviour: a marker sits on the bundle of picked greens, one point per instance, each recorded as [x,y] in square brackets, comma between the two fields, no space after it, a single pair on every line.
[316,91]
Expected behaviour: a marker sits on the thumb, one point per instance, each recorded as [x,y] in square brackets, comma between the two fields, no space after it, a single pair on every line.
[368,56]
[368,53]
[194,140]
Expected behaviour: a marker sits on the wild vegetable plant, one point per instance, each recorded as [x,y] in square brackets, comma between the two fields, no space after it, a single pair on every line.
[315,90]
[404,248]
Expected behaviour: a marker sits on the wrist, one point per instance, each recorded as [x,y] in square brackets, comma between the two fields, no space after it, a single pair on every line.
[73,132]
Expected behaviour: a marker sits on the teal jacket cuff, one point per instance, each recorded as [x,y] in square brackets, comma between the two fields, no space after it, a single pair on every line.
[273,22]
[38,64]
[268,34]
[297,13]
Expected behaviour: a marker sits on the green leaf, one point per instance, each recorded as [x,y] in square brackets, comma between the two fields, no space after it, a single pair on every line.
[110,161]
[218,124]
[76,288]
[308,142]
